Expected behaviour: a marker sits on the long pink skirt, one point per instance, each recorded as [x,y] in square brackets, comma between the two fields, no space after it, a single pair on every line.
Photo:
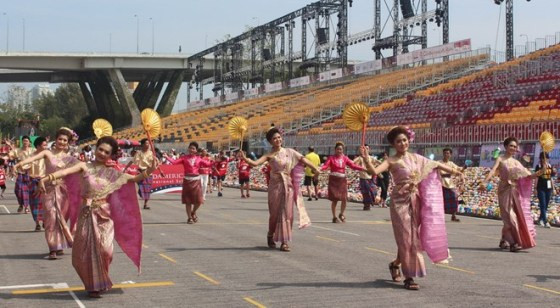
[405,216]
[338,188]
[55,205]
[515,229]
[93,247]
[280,207]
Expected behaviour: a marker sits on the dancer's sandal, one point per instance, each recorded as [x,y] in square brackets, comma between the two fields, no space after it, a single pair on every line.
[335,220]
[503,244]
[52,255]
[409,284]
[455,219]
[514,248]
[284,247]
[146,207]
[94,294]
[341,217]
[190,221]
[270,240]
[194,217]
[37,227]
[395,272]
[60,252]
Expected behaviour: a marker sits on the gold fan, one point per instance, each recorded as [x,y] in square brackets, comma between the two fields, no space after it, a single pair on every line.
[356,117]
[151,122]
[237,128]
[547,141]
[102,128]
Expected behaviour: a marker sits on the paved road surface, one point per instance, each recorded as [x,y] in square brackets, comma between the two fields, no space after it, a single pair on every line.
[223,261]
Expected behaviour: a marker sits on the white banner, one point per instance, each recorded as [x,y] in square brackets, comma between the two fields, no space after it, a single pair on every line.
[232,96]
[366,67]
[554,156]
[195,104]
[301,81]
[434,52]
[214,100]
[330,75]
[251,92]
[271,87]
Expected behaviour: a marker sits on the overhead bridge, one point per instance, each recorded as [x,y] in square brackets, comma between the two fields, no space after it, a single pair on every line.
[103,79]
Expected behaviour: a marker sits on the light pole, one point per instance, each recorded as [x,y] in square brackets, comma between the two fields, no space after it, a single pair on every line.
[153,35]
[23,33]
[137,33]
[110,42]
[7,32]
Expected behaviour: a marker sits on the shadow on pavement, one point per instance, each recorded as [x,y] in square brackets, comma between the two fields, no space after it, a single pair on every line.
[376,284]
[544,278]
[31,256]
[477,248]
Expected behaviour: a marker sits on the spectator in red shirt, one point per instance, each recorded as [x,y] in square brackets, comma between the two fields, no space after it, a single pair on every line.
[244,173]
[220,166]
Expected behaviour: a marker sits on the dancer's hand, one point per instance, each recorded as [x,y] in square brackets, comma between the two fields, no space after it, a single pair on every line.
[42,188]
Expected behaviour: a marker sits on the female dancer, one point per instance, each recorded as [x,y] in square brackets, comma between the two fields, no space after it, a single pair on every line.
[338,186]
[191,196]
[109,209]
[283,189]
[416,201]
[514,197]
[55,198]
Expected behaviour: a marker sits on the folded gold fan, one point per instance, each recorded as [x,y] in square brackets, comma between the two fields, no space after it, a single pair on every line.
[547,141]
[356,117]
[151,122]
[102,128]
[237,127]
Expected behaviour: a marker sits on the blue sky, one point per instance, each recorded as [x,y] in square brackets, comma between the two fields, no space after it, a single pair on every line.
[88,25]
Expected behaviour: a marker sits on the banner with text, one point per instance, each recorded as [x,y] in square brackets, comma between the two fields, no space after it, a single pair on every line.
[434,52]
[366,67]
[272,87]
[171,181]
[301,81]
[251,92]
[330,75]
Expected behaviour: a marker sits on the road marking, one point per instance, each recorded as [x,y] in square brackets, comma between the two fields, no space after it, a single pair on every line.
[334,230]
[490,237]
[168,258]
[380,251]
[183,224]
[5,208]
[455,268]
[327,238]
[254,302]
[76,299]
[116,286]
[201,275]
[145,246]
[542,289]
[23,286]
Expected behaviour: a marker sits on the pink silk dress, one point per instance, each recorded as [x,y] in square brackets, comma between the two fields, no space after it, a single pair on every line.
[514,195]
[55,205]
[108,209]
[417,213]
[283,194]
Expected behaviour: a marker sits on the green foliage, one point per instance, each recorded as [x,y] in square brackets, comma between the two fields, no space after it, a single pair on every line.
[66,107]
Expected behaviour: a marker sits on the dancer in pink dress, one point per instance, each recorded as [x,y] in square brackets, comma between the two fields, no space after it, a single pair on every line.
[54,199]
[514,198]
[103,206]
[417,212]
[283,189]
